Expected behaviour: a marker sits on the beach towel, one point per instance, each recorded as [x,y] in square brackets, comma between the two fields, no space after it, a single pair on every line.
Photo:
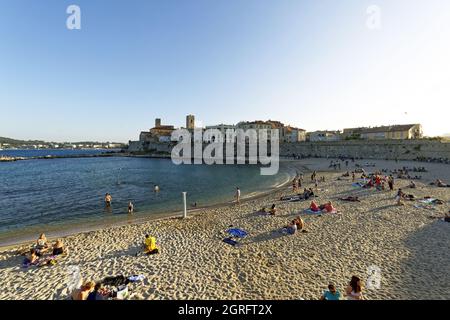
[309,211]
[115,281]
[428,201]
[239,233]
[230,241]
[357,185]
[136,278]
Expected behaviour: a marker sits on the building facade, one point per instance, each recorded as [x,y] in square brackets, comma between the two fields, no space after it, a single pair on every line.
[395,132]
[317,136]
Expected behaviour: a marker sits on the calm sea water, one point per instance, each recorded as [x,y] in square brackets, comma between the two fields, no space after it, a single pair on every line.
[51,152]
[42,195]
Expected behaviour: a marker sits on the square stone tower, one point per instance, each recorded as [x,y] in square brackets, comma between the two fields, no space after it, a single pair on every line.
[190,122]
[157,122]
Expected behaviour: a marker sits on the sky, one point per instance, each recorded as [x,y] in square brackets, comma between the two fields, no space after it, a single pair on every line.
[313,64]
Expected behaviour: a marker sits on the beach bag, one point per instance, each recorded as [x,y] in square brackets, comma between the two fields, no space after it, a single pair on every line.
[122,292]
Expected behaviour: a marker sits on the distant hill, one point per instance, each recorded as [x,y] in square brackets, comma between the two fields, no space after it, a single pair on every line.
[22,142]
[15,142]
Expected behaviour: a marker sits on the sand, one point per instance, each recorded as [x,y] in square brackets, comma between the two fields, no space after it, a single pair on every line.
[410,249]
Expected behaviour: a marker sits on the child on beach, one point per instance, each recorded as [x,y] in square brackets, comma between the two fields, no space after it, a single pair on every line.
[331,293]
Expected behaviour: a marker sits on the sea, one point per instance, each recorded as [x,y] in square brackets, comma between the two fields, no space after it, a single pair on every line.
[58,196]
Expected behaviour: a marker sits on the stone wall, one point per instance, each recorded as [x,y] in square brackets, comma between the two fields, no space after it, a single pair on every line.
[385,149]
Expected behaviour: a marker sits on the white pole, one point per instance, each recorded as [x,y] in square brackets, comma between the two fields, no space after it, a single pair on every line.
[184,204]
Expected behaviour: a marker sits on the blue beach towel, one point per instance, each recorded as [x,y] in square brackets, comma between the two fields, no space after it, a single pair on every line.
[309,211]
[357,185]
[239,233]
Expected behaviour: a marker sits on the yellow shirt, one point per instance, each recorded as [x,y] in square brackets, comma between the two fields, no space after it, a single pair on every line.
[150,243]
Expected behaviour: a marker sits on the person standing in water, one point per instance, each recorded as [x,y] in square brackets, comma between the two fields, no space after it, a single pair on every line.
[108,199]
[130,207]
[238,195]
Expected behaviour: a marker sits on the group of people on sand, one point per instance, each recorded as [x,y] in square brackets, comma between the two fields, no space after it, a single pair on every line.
[297,183]
[353,291]
[325,208]
[108,202]
[91,290]
[36,255]
[440,184]
[295,225]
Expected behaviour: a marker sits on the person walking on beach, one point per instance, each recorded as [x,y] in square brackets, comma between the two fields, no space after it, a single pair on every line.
[238,195]
[313,176]
[130,207]
[391,183]
[108,199]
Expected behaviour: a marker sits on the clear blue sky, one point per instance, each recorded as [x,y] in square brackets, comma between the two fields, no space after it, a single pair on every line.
[313,64]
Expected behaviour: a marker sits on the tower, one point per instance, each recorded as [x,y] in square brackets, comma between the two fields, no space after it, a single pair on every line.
[157,122]
[190,122]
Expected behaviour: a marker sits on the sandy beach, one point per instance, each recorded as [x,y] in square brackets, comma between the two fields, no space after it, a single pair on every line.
[410,248]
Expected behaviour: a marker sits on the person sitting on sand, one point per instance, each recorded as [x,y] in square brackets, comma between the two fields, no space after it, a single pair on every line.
[314,207]
[328,207]
[354,289]
[440,184]
[412,185]
[305,195]
[99,293]
[350,198]
[32,258]
[150,245]
[41,244]
[273,210]
[291,228]
[58,248]
[331,293]
[83,292]
[130,207]
[347,174]
[299,223]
